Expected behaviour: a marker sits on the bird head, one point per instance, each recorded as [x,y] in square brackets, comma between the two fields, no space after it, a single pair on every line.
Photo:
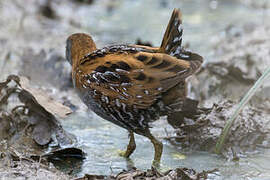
[77,46]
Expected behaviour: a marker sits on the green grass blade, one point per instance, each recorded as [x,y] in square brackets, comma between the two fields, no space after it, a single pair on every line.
[241,105]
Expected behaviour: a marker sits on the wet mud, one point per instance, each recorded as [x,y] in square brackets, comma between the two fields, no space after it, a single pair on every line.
[31,136]
[151,174]
[242,58]
[251,130]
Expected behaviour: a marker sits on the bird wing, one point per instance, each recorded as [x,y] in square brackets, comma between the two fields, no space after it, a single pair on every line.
[135,79]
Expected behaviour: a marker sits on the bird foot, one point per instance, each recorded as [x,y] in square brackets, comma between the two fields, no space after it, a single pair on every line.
[123,153]
[156,165]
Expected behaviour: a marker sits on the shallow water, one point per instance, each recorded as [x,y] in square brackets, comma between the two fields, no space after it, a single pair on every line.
[102,140]
[124,22]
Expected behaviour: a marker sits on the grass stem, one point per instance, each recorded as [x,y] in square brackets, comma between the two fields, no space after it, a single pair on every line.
[243,102]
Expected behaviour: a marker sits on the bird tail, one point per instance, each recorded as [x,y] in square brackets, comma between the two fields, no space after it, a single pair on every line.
[172,39]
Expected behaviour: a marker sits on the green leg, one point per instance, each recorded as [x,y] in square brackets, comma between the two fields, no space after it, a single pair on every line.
[131,146]
[158,149]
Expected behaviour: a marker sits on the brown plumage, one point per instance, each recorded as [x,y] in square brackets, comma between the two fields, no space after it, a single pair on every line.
[132,85]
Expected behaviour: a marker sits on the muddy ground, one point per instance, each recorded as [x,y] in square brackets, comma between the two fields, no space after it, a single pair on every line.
[33,104]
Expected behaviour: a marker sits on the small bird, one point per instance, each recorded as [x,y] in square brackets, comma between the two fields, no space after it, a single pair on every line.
[133,85]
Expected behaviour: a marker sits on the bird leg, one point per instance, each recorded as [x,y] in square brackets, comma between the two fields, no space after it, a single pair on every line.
[131,146]
[158,149]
